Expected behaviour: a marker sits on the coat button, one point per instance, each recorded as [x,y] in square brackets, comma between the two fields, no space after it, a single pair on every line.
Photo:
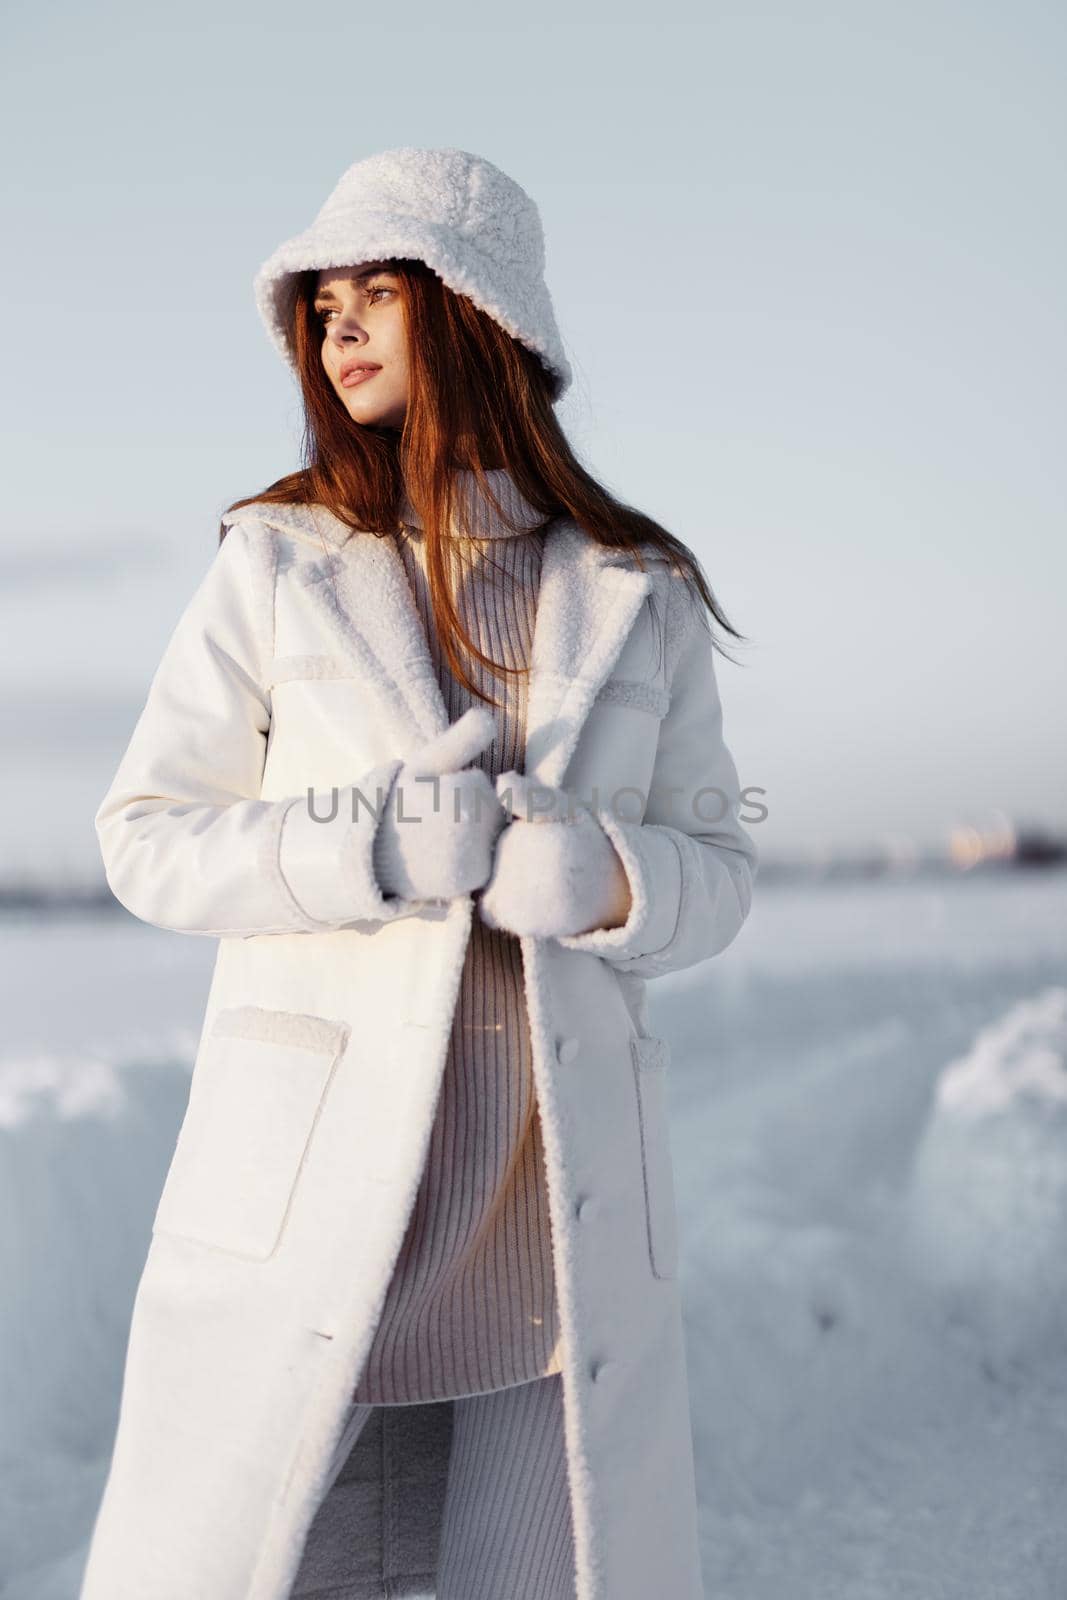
[598,1369]
[586,1207]
[566,1050]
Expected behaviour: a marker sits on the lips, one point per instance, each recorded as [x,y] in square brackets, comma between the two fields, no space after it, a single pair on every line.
[357,372]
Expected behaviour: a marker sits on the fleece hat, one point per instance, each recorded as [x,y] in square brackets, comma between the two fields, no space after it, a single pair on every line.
[472,224]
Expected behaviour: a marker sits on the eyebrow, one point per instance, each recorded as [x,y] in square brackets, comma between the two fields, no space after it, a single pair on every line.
[368,272]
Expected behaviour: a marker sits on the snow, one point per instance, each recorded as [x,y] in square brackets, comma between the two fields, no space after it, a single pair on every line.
[869,1114]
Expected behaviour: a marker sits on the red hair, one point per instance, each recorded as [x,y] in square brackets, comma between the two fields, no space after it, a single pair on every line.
[478,399]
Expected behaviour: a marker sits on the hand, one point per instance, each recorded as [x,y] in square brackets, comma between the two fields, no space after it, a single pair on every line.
[555,871]
[440,845]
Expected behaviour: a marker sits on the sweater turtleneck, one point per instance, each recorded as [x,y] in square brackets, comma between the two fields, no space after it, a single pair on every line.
[471,1306]
[475,517]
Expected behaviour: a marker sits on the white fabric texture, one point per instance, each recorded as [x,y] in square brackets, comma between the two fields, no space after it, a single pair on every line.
[435,837]
[555,871]
[475,226]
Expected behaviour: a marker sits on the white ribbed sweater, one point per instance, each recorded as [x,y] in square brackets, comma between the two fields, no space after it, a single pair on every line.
[471,1305]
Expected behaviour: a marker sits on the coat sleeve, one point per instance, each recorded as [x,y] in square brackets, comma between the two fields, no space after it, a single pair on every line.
[690,863]
[187,843]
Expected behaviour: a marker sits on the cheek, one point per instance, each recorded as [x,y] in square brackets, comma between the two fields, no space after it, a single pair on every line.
[398,344]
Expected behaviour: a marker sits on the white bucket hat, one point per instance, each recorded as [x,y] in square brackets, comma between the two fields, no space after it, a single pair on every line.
[472,224]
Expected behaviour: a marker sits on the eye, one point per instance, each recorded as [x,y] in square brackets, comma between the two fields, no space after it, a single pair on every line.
[324,312]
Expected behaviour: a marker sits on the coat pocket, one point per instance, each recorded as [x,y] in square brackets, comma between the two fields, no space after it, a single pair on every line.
[651,1058]
[258,1083]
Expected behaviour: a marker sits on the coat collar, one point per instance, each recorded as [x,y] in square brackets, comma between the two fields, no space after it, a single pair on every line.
[589,599]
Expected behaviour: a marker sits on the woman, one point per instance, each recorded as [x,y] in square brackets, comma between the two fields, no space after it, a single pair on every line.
[436,753]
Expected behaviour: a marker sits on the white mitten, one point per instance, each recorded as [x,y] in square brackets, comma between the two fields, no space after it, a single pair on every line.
[555,871]
[435,839]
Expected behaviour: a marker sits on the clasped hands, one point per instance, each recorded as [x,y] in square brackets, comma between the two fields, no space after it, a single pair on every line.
[543,866]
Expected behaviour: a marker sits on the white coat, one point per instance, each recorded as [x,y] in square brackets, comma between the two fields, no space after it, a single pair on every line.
[300,664]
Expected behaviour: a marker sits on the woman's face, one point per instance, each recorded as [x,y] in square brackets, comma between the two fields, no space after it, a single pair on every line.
[360,311]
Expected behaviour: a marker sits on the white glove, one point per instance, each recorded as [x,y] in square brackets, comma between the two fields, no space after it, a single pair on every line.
[441,844]
[555,871]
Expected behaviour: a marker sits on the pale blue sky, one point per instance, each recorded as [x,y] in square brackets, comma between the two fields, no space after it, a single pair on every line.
[808,263]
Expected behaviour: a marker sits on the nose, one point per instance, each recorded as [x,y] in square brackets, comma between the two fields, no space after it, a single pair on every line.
[344,327]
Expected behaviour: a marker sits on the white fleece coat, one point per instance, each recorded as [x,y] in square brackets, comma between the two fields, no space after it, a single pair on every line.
[296,664]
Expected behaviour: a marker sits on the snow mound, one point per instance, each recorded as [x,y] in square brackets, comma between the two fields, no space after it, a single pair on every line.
[987,1209]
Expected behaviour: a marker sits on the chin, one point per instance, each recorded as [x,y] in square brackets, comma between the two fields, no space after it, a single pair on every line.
[372,419]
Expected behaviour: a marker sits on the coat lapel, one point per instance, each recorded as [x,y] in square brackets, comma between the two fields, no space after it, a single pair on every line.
[588,601]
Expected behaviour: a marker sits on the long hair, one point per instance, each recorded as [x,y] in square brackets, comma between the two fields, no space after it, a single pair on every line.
[478,399]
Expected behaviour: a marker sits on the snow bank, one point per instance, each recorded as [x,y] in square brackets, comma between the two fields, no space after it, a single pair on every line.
[987,1211]
[84,1143]
[868,1115]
